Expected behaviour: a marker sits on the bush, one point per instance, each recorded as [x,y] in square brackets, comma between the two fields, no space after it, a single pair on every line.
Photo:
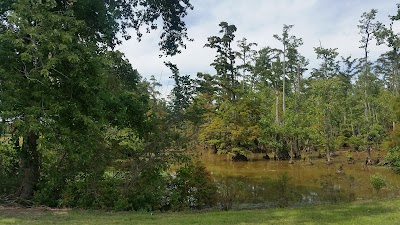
[338,142]
[147,192]
[150,189]
[377,181]
[8,167]
[90,193]
[393,157]
[192,188]
[116,191]
[355,142]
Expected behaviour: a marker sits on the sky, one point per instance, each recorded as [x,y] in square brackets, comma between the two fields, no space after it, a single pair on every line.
[333,23]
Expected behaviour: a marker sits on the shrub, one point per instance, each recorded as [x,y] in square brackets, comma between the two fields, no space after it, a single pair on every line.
[149,189]
[338,142]
[377,181]
[355,143]
[8,167]
[393,157]
[192,188]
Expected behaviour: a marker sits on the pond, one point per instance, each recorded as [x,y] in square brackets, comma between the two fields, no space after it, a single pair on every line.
[255,183]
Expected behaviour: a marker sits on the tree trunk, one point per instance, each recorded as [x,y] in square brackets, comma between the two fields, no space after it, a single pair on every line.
[29,166]
[294,148]
[366,104]
[277,108]
[284,85]
[369,147]
[292,156]
[328,152]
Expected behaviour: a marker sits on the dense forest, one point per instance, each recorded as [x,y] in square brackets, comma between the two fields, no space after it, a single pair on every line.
[81,128]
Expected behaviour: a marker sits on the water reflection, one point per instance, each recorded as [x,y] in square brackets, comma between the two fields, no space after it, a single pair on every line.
[256,183]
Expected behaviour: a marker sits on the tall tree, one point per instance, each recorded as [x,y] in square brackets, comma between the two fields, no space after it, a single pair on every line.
[326,87]
[367,26]
[290,43]
[389,63]
[246,55]
[54,67]
[224,62]
[268,69]
[232,127]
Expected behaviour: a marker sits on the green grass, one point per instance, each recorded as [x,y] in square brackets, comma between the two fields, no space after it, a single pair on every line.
[366,212]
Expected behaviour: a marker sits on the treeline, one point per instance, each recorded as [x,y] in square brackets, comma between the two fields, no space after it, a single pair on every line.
[261,100]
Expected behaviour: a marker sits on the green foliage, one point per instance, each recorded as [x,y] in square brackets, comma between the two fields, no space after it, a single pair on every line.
[8,166]
[392,145]
[375,135]
[349,156]
[90,193]
[355,143]
[338,142]
[393,157]
[152,189]
[192,187]
[377,181]
[115,191]
[148,191]
[393,139]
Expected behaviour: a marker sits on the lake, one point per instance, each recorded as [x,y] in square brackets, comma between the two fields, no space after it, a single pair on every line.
[255,183]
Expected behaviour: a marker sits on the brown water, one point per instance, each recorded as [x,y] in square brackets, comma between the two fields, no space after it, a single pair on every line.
[256,174]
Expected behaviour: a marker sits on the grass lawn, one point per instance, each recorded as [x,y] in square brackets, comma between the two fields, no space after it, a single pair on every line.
[366,212]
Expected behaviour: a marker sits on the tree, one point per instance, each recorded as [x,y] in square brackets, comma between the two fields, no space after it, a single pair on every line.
[388,64]
[326,87]
[232,123]
[54,71]
[367,28]
[289,47]
[182,93]
[224,62]
[246,55]
[290,72]
[268,69]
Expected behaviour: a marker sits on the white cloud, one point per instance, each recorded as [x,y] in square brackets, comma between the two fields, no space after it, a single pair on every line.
[334,23]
